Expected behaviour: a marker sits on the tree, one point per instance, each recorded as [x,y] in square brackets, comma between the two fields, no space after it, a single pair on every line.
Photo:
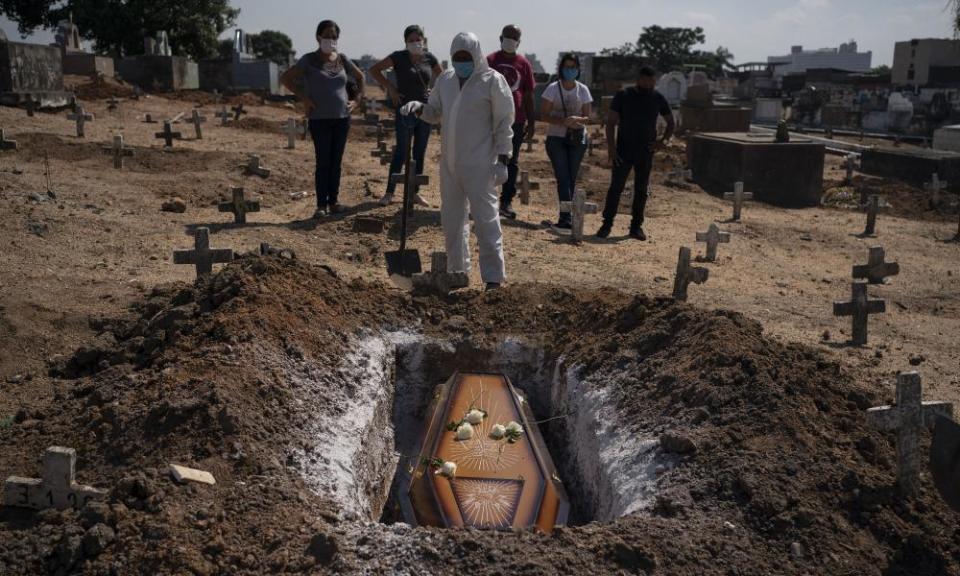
[119,26]
[880,70]
[272,45]
[672,48]
[625,49]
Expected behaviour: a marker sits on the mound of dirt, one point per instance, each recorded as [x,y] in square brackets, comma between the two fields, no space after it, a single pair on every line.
[98,88]
[774,469]
[905,201]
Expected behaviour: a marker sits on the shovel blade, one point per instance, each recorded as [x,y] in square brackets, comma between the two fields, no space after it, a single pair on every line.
[403,263]
[945,460]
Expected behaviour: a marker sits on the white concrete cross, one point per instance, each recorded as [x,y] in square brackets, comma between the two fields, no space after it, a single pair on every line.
[935,186]
[713,236]
[292,130]
[859,308]
[253,166]
[438,280]
[239,206]
[876,270]
[738,196]
[6,144]
[56,487]
[679,176]
[687,274]
[196,119]
[578,209]
[81,118]
[908,417]
[223,115]
[118,151]
[526,186]
[202,257]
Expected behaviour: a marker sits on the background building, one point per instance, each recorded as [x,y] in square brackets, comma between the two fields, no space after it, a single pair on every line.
[927,61]
[846,57]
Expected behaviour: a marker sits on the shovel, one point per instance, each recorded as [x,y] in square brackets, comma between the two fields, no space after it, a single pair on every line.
[403,263]
[945,460]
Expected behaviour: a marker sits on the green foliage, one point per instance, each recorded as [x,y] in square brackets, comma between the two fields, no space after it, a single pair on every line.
[272,45]
[881,70]
[672,49]
[6,422]
[119,26]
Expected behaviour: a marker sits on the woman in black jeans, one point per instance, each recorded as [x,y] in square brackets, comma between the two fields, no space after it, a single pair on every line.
[321,80]
[566,108]
[415,70]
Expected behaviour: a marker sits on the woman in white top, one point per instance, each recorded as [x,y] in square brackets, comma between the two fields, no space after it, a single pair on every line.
[566,107]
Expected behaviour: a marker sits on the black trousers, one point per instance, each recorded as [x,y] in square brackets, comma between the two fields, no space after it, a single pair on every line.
[329,142]
[513,167]
[641,166]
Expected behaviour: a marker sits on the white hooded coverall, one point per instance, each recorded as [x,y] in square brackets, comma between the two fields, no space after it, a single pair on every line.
[476,128]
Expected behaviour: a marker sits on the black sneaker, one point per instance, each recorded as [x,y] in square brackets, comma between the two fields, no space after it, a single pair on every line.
[492,286]
[336,209]
[320,212]
[637,233]
[507,212]
[604,230]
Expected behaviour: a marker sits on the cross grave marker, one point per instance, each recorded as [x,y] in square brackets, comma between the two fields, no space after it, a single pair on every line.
[168,135]
[239,206]
[687,274]
[678,176]
[873,207]
[578,209]
[438,280]
[113,103]
[411,180]
[526,186]
[292,130]
[860,307]
[713,237]
[223,115]
[118,151]
[255,168]
[738,196]
[196,119]
[31,105]
[202,257]
[238,111]
[81,118]
[6,144]
[935,186]
[907,417]
[56,487]
[876,270]
[148,119]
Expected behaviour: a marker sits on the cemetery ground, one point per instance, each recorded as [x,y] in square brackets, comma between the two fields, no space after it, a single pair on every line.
[725,435]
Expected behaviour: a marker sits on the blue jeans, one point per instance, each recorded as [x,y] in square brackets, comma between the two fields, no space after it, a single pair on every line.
[513,167]
[421,136]
[566,159]
[329,142]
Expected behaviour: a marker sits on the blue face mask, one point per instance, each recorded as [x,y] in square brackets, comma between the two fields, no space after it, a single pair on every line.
[570,74]
[463,69]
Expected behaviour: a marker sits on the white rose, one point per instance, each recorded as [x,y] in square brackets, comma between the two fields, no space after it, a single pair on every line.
[498,432]
[475,417]
[514,428]
[449,469]
[464,431]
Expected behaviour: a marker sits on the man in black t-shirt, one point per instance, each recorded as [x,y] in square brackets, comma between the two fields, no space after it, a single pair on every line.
[631,142]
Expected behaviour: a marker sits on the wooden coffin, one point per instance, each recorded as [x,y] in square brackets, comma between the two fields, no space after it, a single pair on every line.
[498,485]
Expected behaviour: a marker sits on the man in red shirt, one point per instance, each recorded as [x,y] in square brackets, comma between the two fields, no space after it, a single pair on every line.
[519,75]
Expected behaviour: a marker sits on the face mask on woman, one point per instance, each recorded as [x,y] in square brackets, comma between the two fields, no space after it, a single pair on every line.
[415,48]
[570,74]
[509,45]
[328,45]
[463,69]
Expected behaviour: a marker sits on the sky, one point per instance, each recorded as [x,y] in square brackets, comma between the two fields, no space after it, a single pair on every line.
[752,29]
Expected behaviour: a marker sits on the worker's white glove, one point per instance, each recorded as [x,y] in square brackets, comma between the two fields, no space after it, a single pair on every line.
[500,174]
[411,108]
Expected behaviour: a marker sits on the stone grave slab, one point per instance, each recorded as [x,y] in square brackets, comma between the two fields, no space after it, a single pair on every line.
[913,165]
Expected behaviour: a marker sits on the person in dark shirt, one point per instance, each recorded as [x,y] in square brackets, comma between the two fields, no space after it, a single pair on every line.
[415,71]
[631,143]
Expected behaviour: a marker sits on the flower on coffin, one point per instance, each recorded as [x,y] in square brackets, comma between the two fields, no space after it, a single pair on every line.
[513,432]
[448,469]
[475,416]
[498,431]
[464,431]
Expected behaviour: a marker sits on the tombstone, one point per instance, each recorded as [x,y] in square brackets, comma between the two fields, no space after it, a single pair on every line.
[578,209]
[678,176]
[148,119]
[56,487]
[673,86]
[239,206]
[526,186]
[936,187]
[687,274]
[439,280]
[292,130]
[158,69]
[202,257]
[255,168]
[168,135]
[31,71]
[118,151]
[713,237]
[113,103]
[238,111]
[67,36]
[850,164]
[530,142]
[873,206]
[81,118]
[876,270]
[738,196]
[907,417]
[860,307]
[6,144]
[196,119]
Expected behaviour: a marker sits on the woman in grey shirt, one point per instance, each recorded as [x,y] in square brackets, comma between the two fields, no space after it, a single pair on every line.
[321,80]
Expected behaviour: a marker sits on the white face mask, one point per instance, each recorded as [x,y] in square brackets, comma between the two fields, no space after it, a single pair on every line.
[509,45]
[327,45]
[415,48]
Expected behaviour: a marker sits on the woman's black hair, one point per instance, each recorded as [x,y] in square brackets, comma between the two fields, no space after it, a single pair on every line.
[413,29]
[321,27]
[567,57]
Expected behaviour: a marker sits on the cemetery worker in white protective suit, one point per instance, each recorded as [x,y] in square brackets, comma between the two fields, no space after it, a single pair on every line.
[476,109]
